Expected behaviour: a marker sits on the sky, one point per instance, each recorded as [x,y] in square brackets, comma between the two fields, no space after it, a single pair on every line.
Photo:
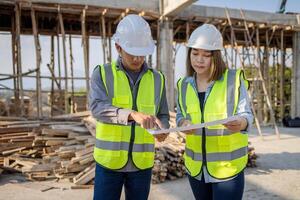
[28,51]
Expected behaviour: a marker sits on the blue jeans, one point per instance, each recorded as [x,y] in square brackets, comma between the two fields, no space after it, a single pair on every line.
[232,189]
[108,184]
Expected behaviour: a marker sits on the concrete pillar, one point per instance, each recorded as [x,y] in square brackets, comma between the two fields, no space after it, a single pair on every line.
[295,101]
[165,59]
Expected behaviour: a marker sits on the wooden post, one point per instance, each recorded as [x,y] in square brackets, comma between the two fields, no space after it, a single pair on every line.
[257,85]
[15,69]
[158,50]
[109,42]
[266,75]
[18,55]
[52,63]
[60,99]
[72,72]
[104,39]
[85,53]
[274,75]
[58,56]
[62,29]
[38,64]
[282,74]
[187,36]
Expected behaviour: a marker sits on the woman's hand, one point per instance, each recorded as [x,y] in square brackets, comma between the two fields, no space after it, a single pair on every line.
[237,125]
[186,122]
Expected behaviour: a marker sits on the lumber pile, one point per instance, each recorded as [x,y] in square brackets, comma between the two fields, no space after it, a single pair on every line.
[251,156]
[78,103]
[3,107]
[57,101]
[14,110]
[169,163]
[49,150]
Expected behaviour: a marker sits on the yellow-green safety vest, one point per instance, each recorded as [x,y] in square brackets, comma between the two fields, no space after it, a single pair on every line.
[223,152]
[115,142]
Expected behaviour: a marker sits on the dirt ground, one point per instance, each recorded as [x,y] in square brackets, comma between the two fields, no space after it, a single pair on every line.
[276,177]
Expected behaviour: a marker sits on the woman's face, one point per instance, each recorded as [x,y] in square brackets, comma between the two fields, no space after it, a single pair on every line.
[201,61]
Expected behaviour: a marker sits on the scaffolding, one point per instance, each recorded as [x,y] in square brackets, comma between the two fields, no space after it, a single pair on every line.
[263,49]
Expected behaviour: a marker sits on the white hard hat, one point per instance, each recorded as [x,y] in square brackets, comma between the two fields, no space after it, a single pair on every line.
[133,34]
[206,37]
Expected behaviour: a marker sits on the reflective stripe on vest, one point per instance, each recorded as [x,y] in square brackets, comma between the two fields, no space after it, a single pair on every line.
[113,140]
[226,151]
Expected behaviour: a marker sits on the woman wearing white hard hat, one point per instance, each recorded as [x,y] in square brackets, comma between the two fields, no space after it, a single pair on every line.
[215,156]
[127,97]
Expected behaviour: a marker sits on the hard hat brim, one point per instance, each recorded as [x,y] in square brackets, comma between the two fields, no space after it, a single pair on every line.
[139,51]
[205,47]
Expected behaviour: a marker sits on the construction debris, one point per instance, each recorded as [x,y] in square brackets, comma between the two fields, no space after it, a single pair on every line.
[57,149]
[251,156]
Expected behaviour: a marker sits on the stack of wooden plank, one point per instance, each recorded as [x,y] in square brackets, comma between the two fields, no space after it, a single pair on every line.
[3,107]
[78,103]
[45,150]
[57,101]
[169,164]
[251,156]
[15,110]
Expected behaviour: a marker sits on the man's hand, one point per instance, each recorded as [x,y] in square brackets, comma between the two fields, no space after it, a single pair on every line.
[186,122]
[146,121]
[237,125]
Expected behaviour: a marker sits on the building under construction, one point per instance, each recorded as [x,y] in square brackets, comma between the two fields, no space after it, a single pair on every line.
[262,43]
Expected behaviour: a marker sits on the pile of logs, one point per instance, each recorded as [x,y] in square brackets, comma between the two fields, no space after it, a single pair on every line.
[42,150]
[251,156]
[169,162]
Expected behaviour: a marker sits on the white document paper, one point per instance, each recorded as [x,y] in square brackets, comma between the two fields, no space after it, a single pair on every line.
[191,127]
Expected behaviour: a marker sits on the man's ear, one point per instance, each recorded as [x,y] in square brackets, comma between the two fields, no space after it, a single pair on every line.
[118,47]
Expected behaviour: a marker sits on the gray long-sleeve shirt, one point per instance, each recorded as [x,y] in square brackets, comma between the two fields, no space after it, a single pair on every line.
[243,109]
[103,110]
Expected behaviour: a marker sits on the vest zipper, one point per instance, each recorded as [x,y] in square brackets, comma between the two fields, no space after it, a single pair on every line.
[203,139]
[203,132]
[132,137]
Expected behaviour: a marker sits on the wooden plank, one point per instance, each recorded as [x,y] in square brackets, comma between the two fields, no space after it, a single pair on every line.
[38,63]
[16,129]
[62,29]
[84,152]
[13,151]
[55,132]
[87,177]
[39,168]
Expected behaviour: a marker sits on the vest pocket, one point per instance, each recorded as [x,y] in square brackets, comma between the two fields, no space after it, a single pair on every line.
[109,132]
[193,110]
[147,109]
[121,100]
[209,117]
[224,144]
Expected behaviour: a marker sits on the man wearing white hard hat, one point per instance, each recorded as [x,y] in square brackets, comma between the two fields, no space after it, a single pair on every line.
[215,156]
[127,98]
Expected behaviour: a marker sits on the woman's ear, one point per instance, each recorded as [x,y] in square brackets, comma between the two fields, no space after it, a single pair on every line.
[119,49]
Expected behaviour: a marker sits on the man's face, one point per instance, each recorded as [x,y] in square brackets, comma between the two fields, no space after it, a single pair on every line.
[131,62]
